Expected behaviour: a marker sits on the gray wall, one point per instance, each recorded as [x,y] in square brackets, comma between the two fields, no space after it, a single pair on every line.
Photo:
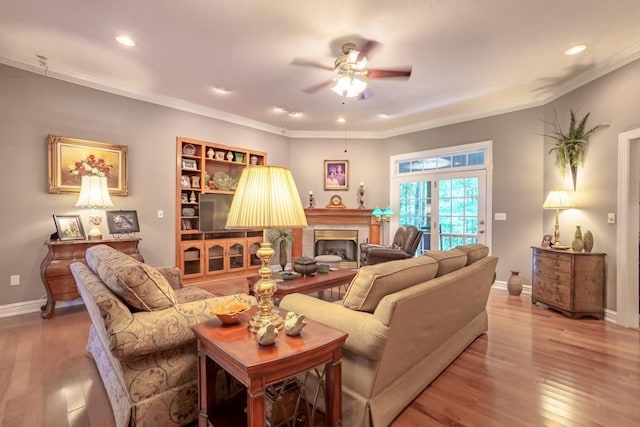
[517,178]
[33,106]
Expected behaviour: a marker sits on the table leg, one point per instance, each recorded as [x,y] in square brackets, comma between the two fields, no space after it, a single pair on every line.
[256,411]
[206,387]
[333,389]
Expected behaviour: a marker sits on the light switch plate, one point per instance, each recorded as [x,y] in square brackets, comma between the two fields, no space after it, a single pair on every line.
[500,216]
[611,218]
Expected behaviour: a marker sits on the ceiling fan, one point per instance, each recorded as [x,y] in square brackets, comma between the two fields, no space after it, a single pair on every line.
[351,72]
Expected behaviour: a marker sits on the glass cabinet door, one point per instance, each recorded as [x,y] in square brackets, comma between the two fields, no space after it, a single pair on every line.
[236,255]
[215,258]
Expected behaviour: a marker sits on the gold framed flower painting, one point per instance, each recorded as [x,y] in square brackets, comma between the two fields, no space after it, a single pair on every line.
[70,159]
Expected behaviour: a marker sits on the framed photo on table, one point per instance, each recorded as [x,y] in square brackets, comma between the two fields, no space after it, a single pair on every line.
[123,222]
[336,175]
[69,227]
[546,241]
[70,159]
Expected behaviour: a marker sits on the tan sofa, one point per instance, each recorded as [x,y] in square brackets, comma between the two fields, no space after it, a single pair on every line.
[407,320]
[141,338]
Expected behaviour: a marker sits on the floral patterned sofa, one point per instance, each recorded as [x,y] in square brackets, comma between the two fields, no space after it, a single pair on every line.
[141,338]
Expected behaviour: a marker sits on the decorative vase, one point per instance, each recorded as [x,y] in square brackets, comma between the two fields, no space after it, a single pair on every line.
[514,284]
[210,153]
[230,155]
[587,241]
[283,254]
[577,244]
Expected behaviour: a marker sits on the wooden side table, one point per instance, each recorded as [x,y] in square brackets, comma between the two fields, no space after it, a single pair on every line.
[56,275]
[237,351]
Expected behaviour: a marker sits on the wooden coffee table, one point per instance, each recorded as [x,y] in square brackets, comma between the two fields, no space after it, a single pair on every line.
[237,351]
[305,284]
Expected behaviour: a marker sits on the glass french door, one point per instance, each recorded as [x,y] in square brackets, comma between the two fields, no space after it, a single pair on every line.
[449,208]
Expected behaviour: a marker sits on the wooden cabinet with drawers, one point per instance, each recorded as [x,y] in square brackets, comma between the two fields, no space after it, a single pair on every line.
[570,282]
[56,275]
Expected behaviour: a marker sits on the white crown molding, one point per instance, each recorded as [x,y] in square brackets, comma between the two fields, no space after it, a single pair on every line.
[81,79]
[621,59]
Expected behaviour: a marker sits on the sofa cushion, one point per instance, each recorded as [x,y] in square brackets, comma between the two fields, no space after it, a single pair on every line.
[474,251]
[139,285]
[448,261]
[374,282]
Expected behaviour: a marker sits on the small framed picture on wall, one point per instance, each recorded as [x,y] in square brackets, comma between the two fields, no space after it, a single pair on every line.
[336,174]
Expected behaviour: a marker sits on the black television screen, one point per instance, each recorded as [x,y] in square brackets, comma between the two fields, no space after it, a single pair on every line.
[214,209]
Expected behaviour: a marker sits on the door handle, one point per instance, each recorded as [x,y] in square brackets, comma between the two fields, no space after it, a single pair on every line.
[481,231]
[482,221]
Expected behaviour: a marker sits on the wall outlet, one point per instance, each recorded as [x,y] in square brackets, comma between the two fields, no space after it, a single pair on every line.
[611,218]
[14,280]
[161,214]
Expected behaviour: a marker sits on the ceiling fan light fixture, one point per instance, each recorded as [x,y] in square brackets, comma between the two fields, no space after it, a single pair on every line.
[349,86]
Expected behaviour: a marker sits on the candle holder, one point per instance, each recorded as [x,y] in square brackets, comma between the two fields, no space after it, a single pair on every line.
[361,196]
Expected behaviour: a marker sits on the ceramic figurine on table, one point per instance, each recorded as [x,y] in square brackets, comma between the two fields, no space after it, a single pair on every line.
[267,334]
[293,323]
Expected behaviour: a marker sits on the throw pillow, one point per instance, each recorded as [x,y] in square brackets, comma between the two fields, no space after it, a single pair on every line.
[474,251]
[448,261]
[374,282]
[139,285]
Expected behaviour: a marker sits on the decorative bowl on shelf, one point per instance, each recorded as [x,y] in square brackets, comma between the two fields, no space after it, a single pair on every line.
[223,181]
[229,313]
[189,149]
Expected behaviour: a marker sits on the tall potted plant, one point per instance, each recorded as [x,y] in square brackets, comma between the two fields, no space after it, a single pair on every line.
[282,238]
[571,145]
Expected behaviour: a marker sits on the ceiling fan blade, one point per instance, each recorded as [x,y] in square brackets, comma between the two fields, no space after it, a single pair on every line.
[381,74]
[306,63]
[366,49]
[315,88]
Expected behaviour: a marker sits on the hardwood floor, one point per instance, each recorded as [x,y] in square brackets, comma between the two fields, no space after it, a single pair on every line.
[535,367]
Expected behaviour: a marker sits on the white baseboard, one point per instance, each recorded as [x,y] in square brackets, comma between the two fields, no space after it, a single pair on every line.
[33,306]
[526,289]
[26,307]
[609,315]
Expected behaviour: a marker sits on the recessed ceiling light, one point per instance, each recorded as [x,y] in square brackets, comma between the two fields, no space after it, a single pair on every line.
[125,41]
[281,110]
[575,49]
[341,120]
[221,90]
[385,115]
[295,114]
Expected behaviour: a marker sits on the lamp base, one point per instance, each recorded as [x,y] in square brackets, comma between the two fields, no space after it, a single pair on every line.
[264,289]
[95,233]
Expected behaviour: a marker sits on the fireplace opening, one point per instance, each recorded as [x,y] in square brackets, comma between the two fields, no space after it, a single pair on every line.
[343,243]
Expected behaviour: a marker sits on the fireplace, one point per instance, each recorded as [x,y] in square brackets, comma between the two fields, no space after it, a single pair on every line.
[343,243]
[336,219]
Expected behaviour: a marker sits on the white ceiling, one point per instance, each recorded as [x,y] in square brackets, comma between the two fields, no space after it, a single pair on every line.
[470,58]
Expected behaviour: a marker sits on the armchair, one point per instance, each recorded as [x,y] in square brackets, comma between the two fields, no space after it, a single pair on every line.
[404,245]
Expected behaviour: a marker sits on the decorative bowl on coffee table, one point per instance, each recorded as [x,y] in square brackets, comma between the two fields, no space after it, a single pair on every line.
[229,313]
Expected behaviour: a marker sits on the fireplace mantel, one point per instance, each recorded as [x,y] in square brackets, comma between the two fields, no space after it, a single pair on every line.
[337,216]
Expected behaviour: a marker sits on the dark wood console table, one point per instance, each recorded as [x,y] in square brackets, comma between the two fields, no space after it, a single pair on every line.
[56,275]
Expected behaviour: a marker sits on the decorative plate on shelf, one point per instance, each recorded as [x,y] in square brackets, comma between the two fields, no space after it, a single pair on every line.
[189,150]
[223,181]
